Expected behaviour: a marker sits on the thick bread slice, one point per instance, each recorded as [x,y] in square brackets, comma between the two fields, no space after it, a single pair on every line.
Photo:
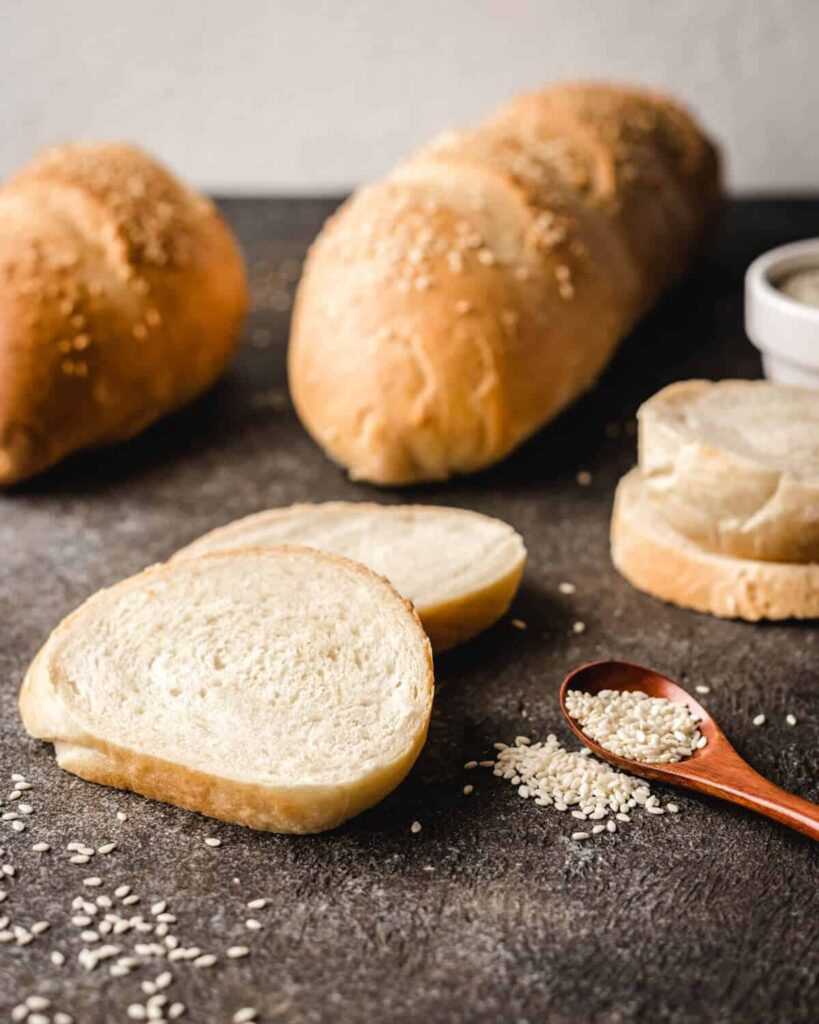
[654,557]
[460,569]
[283,689]
[734,466]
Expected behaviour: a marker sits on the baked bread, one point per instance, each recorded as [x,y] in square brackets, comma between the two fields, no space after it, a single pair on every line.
[449,311]
[122,293]
[285,689]
[660,560]
[734,465]
[460,569]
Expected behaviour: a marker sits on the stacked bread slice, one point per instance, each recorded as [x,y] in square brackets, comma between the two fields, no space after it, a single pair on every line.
[722,514]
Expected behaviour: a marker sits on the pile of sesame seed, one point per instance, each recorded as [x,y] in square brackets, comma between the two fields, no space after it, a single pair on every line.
[573,782]
[633,725]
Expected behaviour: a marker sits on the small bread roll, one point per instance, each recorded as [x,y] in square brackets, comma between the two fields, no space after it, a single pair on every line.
[122,293]
[734,466]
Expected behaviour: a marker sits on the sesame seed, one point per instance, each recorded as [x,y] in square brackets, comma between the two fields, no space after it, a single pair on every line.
[39,927]
[93,882]
[57,958]
[21,785]
[18,826]
[122,816]
[578,627]
[237,952]
[213,842]
[175,1010]
[38,1003]
[257,904]
[470,765]
[122,890]
[567,588]
[758,720]
[25,808]
[580,835]
[672,808]
[703,689]
[790,719]
[79,858]
[416,827]
[129,901]
[584,478]
[158,908]
[486,764]
[106,847]
[253,925]
[469,790]
[518,624]
[245,1016]
[207,960]
[41,847]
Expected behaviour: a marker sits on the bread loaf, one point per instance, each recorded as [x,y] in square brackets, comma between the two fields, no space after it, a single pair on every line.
[460,569]
[734,465]
[285,689]
[660,560]
[121,297]
[449,311]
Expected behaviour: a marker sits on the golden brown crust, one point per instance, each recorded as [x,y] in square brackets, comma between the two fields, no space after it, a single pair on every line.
[449,311]
[296,808]
[122,295]
[655,558]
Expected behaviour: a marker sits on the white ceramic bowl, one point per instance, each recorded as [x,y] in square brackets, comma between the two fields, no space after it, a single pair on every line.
[785,330]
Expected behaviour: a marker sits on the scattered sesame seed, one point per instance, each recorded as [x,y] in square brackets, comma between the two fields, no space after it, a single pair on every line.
[57,958]
[580,835]
[257,904]
[25,808]
[470,765]
[22,785]
[39,927]
[584,478]
[18,826]
[158,908]
[518,624]
[106,847]
[672,808]
[206,960]
[213,842]
[567,588]
[93,882]
[703,689]
[122,890]
[578,627]
[702,742]
[253,925]
[245,1016]
[175,1010]
[758,720]
[129,901]
[79,858]
[122,816]
[416,827]
[469,790]
[790,719]
[486,764]
[237,952]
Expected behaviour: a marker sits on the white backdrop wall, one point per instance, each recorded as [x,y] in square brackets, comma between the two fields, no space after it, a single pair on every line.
[317,95]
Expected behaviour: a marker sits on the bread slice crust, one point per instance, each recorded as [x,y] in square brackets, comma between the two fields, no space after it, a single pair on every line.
[449,619]
[656,558]
[294,807]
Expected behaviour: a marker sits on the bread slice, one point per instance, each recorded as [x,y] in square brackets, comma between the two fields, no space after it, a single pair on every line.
[284,689]
[734,466]
[460,569]
[656,558]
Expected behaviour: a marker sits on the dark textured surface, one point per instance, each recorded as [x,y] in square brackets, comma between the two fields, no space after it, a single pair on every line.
[491,912]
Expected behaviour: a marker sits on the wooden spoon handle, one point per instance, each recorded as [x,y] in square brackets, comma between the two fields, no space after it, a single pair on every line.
[746,787]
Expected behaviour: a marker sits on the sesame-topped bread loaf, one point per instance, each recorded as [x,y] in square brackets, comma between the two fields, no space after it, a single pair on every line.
[449,311]
[122,293]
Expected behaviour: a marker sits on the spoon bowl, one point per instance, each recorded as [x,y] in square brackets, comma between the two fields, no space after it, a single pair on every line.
[715,769]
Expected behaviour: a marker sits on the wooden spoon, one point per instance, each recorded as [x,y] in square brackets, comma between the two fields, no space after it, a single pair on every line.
[716,769]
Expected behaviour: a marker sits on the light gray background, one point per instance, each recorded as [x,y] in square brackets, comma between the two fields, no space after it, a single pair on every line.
[303,95]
